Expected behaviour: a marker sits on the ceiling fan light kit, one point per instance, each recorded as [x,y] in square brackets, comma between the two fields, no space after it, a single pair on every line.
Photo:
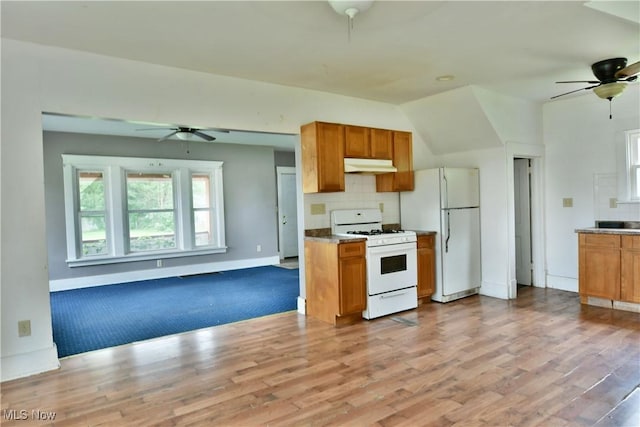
[612,74]
[609,90]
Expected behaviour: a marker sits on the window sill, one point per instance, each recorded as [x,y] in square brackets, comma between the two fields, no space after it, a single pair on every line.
[103,260]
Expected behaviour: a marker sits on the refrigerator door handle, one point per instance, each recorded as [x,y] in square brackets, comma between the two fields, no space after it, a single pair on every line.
[445,191]
[446,242]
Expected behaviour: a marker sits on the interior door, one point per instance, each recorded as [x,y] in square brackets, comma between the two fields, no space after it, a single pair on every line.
[522,200]
[287,213]
[460,250]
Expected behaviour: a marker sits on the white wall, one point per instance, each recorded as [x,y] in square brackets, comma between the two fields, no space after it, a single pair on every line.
[37,78]
[581,142]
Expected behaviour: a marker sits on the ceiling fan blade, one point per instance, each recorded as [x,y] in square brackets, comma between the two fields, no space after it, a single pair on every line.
[202,135]
[167,136]
[577,90]
[630,79]
[628,71]
[593,82]
[158,129]
[215,130]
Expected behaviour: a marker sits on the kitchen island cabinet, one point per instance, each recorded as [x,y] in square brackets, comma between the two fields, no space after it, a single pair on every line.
[335,276]
[609,267]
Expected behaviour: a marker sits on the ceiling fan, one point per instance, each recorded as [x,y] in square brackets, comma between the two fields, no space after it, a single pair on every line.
[187,133]
[612,74]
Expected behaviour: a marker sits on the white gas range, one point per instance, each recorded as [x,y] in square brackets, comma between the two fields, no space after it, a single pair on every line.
[392,269]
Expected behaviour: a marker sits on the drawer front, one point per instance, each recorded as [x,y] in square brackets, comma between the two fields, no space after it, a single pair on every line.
[426,241]
[601,240]
[631,242]
[351,249]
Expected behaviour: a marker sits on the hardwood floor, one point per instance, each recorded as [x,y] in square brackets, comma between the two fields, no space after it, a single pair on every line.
[542,359]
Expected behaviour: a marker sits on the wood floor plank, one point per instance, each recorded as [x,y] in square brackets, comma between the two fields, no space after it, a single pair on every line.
[541,360]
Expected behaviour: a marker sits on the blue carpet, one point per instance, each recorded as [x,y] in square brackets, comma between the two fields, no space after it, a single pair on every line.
[105,316]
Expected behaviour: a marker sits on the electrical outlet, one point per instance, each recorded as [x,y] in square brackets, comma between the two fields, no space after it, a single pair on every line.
[159,263]
[24,328]
[259,248]
[381,206]
[567,202]
[613,203]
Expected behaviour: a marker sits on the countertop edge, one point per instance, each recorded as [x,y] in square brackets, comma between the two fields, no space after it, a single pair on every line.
[594,230]
[332,238]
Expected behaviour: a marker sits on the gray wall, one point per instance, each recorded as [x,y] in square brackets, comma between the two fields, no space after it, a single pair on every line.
[249,196]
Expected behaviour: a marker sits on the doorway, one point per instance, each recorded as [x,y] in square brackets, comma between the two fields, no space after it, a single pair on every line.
[287,213]
[522,210]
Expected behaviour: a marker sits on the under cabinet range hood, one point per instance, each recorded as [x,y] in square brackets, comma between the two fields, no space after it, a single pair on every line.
[372,166]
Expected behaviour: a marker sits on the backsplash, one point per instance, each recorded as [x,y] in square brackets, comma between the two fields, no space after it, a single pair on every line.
[605,192]
[360,192]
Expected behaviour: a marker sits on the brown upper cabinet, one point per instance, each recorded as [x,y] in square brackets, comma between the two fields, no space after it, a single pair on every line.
[322,157]
[367,143]
[402,180]
[325,146]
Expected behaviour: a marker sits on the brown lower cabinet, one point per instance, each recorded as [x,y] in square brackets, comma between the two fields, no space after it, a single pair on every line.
[335,276]
[609,267]
[426,266]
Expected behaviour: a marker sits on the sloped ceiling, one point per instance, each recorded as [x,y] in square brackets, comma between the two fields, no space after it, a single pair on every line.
[473,118]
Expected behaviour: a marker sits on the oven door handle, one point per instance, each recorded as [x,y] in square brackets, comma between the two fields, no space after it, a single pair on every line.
[392,295]
[400,248]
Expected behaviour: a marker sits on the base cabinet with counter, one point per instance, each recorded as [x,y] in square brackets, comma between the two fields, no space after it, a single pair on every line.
[609,267]
[335,276]
[426,266]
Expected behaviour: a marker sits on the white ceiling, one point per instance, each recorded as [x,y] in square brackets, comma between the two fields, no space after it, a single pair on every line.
[395,52]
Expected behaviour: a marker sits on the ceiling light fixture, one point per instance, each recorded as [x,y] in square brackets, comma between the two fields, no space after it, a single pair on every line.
[445,78]
[350,8]
[185,136]
[609,91]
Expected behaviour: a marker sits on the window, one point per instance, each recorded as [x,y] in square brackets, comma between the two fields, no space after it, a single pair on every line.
[120,209]
[633,164]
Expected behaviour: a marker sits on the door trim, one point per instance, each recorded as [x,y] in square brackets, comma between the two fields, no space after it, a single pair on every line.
[282,170]
[536,154]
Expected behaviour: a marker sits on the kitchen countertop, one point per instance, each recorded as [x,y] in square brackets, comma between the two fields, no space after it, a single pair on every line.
[594,230]
[424,232]
[332,238]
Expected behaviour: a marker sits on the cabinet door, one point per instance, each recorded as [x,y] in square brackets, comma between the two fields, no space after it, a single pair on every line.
[599,265]
[322,157]
[402,180]
[630,274]
[426,266]
[356,142]
[381,144]
[353,276]
[403,160]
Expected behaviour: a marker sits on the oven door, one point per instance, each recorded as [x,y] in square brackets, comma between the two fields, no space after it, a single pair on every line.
[391,267]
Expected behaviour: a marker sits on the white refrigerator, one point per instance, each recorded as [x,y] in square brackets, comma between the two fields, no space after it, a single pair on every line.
[447,200]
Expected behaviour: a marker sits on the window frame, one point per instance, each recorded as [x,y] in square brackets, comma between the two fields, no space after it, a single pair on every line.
[632,145]
[114,170]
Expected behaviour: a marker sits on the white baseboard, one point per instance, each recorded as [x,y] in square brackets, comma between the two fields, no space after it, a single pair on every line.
[302,305]
[31,363]
[158,273]
[496,290]
[562,283]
